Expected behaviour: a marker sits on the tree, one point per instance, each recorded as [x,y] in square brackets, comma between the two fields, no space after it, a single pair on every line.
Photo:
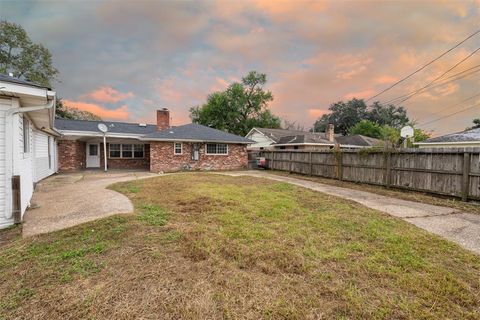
[389,115]
[239,108]
[476,124]
[25,59]
[367,128]
[343,115]
[65,112]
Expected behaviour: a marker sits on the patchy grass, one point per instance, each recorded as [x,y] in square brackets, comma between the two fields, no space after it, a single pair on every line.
[438,200]
[205,246]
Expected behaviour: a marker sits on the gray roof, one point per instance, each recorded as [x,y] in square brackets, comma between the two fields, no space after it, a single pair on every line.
[358,140]
[113,126]
[7,78]
[196,132]
[277,134]
[464,136]
[303,138]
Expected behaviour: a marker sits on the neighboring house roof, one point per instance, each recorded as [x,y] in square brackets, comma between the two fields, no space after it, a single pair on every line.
[276,134]
[189,132]
[357,140]
[304,138]
[472,135]
[195,132]
[113,126]
[7,78]
[281,137]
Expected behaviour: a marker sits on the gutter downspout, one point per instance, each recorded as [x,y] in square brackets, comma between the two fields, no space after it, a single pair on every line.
[9,147]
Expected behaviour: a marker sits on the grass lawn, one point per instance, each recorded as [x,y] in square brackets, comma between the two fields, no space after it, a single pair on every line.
[205,246]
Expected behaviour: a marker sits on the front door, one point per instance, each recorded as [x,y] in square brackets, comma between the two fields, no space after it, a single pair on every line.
[93,155]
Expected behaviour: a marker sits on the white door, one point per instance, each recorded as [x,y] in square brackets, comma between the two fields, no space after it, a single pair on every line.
[93,155]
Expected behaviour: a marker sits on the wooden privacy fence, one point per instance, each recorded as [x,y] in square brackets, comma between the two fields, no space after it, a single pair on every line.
[445,171]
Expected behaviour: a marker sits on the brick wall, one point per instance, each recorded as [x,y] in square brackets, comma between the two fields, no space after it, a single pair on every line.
[71,155]
[163,159]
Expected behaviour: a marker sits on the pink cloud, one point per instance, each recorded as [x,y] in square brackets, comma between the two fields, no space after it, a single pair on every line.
[107,95]
[316,113]
[386,79]
[120,113]
[359,95]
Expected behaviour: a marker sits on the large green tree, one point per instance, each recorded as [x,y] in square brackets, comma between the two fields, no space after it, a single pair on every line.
[345,115]
[25,59]
[239,108]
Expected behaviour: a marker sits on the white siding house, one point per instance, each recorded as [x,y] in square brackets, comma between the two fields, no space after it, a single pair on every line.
[27,142]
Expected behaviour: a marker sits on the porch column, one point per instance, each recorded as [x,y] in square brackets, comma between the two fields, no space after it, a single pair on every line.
[105,151]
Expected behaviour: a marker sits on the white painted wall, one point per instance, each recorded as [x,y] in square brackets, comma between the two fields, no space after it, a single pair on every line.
[5,104]
[31,166]
[260,140]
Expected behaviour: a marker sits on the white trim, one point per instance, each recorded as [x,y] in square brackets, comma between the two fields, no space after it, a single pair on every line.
[192,140]
[99,134]
[447,143]
[215,154]
[175,149]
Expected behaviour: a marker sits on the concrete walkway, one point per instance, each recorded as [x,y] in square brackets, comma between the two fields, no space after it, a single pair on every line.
[65,200]
[460,227]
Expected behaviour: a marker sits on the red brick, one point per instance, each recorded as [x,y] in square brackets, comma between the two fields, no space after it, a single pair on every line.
[163,158]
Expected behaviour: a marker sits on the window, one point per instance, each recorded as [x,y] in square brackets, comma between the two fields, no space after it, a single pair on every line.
[114,150]
[178,148]
[217,148]
[138,150]
[93,150]
[127,151]
[26,135]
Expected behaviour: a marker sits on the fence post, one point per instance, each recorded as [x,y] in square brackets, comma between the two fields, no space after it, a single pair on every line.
[466,176]
[310,161]
[388,169]
[290,163]
[273,158]
[339,158]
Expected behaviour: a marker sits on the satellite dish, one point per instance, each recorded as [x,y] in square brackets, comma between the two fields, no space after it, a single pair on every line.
[406,132]
[102,127]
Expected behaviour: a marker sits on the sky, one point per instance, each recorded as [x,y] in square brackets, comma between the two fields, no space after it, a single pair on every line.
[124,59]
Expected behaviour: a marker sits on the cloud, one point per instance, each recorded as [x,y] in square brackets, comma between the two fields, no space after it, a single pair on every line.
[120,113]
[359,94]
[316,113]
[107,94]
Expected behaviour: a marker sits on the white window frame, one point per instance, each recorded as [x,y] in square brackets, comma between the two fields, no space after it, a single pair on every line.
[121,151]
[175,148]
[216,153]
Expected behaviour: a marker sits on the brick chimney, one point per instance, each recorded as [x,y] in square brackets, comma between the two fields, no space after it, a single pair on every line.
[329,134]
[163,119]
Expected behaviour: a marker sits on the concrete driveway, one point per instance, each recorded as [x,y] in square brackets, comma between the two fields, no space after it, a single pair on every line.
[65,200]
[460,227]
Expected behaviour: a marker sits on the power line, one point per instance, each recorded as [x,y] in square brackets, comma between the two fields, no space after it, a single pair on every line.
[455,77]
[411,94]
[424,66]
[449,115]
[459,103]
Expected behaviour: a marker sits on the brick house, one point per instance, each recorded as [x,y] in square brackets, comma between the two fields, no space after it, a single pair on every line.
[157,148]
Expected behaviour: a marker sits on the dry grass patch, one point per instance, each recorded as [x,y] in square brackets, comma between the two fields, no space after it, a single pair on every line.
[205,246]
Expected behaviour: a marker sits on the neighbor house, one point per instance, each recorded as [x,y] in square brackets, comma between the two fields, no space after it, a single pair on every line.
[272,139]
[156,147]
[27,143]
[465,139]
